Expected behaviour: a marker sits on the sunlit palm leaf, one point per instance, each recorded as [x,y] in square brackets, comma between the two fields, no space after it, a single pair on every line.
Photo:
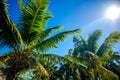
[106,74]
[45,34]
[84,42]
[41,70]
[110,40]
[93,41]
[113,38]
[9,34]
[75,60]
[25,74]
[33,19]
[51,62]
[52,41]
[49,58]
[80,46]
[21,5]
[78,42]
[36,71]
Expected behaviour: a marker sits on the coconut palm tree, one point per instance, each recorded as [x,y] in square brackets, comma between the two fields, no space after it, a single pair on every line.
[74,70]
[28,37]
[60,66]
[64,68]
[57,68]
[88,50]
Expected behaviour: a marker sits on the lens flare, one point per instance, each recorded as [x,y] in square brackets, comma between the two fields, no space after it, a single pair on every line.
[113,12]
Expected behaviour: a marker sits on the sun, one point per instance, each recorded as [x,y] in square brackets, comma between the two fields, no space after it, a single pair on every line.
[113,12]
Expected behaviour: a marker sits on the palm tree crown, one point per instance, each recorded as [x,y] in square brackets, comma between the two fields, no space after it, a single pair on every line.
[28,37]
[95,56]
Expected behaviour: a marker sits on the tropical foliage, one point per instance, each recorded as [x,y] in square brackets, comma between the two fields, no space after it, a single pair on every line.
[28,38]
[98,59]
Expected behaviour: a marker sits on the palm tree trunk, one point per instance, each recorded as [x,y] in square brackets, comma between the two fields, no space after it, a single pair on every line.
[95,70]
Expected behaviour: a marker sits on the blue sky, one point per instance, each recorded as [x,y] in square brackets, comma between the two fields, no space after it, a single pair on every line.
[85,14]
[73,14]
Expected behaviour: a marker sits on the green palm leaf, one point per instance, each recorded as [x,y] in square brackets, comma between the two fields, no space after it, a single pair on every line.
[93,41]
[90,55]
[21,5]
[106,74]
[36,71]
[9,34]
[33,19]
[52,41]
[45,34]
[39,68]
[51,62]
[75,60]
[49,58]
[113,38]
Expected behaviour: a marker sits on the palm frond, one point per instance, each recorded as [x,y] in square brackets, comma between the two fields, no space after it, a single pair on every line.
[113,38]
[51,59]
[91,55]
[21,5]
[45,34]
[103,72]
[3,6]
[76,41]
[51,62]
[76,75]
[41,70]
[9,34]
[72,70]
[93,41]
[52,41]
[84,42]
[22,75]
[33,19]
[115,56]
[80,46]
[36,71]
[80,65]
[106,74]
[75,60]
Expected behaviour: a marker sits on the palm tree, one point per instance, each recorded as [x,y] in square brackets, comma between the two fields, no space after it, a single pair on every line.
[57,68]
[67,68]
[28,37]
[75,69]
[89,50]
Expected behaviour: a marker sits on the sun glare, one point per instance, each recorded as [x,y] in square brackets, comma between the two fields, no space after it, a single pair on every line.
[113,12]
